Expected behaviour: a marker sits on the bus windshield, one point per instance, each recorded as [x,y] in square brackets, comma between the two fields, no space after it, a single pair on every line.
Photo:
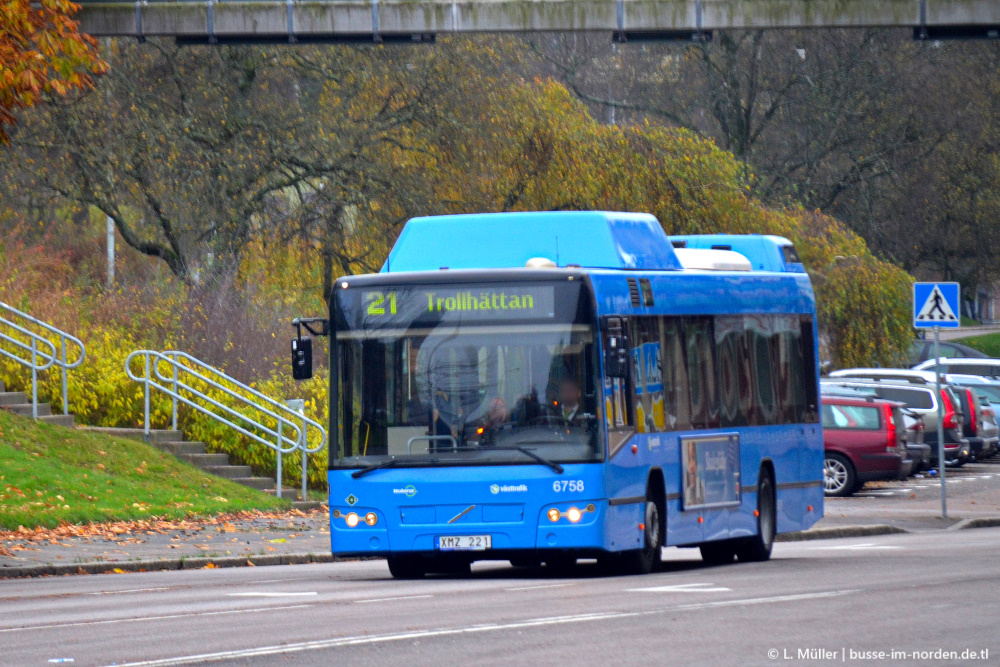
[467,393]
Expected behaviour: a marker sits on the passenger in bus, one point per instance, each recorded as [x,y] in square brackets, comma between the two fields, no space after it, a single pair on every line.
[439,426]
[527,409]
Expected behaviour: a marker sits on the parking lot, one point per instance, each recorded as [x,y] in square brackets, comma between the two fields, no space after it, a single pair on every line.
[967,480]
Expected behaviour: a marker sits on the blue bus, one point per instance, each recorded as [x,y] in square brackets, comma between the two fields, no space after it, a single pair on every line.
[545,387]
[765,252]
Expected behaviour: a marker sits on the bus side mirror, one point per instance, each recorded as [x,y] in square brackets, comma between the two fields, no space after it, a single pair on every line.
[302,358]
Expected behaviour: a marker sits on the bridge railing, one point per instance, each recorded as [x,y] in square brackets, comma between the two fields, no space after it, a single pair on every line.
[186,379]
[39,351]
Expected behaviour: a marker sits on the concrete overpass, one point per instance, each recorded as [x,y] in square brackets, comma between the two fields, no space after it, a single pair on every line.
[421,20]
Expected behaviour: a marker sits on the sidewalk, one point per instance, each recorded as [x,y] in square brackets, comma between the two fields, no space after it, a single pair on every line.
[859,516]
[235,540]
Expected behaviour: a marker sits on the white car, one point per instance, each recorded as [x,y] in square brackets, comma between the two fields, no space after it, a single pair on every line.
[987,368]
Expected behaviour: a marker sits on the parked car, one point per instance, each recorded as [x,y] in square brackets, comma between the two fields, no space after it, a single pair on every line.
[975,429]
[919,396]
[989,394]
[990,429]
[981,427]
[864,439]
[987,368]
[916,447]
[921,350]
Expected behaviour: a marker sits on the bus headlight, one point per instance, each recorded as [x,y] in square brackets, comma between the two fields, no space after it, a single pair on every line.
[371,518]
[352,520]
[553,515]
[573,515]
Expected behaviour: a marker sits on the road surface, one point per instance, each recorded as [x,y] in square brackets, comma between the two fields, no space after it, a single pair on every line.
[917,592]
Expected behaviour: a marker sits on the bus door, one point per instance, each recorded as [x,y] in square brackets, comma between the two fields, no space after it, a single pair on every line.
[618,391]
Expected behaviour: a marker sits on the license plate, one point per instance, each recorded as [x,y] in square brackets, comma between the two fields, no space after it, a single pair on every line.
[464,542]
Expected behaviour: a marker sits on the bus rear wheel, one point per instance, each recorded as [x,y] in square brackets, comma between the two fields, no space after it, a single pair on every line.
[758,548]
[406,567]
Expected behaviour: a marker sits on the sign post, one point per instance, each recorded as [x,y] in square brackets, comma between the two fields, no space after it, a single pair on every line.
[936,305]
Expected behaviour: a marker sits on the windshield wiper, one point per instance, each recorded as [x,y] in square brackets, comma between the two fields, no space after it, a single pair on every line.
[378,466]
[541,459]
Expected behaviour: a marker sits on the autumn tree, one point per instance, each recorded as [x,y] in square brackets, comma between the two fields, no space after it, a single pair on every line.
[41,52]
[191,150]
[537,148]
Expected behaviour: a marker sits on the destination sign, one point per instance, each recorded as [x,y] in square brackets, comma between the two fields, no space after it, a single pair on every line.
[435,303]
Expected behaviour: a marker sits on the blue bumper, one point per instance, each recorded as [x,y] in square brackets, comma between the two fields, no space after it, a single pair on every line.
[412,507]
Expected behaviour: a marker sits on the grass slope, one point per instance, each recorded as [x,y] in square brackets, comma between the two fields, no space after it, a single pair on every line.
[988,343]
[50,475]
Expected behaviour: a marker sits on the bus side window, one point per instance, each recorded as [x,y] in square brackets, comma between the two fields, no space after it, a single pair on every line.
[699,341]
[675,377]
[810,414]
[647,376]
[730,355]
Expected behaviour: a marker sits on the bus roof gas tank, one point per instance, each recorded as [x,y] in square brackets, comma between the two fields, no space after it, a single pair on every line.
[698,259]
[765,253]
[592,239]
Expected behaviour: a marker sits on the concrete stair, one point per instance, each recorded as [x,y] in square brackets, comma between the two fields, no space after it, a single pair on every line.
[194,453]
[19,403]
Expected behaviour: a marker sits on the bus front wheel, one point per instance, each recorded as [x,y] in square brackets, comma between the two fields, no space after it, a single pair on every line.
[758,548]
[406,567]
[645,560]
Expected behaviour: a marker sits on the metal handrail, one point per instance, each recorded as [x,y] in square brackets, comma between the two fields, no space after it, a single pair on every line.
[54,358]
[174,384]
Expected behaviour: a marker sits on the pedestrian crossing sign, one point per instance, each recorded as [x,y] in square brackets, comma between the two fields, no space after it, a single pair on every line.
[936,305]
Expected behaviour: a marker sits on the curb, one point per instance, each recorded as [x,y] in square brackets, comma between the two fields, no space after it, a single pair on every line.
[839,531]
[878,529]
[161,565]
[982,522]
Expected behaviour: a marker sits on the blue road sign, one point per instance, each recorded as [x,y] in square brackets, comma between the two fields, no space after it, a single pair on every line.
[936,305]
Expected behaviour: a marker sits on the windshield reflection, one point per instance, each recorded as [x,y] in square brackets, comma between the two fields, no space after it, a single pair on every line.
[469,394]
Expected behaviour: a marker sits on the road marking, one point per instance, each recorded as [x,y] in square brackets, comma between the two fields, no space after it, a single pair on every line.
[770,600]
[469,630]
[681,588]
[535,588]
[857,547]
[132,590]
[402,597]
[140,619]
[261,594]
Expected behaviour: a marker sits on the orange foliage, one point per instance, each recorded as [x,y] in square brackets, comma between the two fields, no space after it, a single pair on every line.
[41,51]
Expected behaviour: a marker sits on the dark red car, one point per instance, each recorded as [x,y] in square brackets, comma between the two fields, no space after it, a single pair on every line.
[864,440]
